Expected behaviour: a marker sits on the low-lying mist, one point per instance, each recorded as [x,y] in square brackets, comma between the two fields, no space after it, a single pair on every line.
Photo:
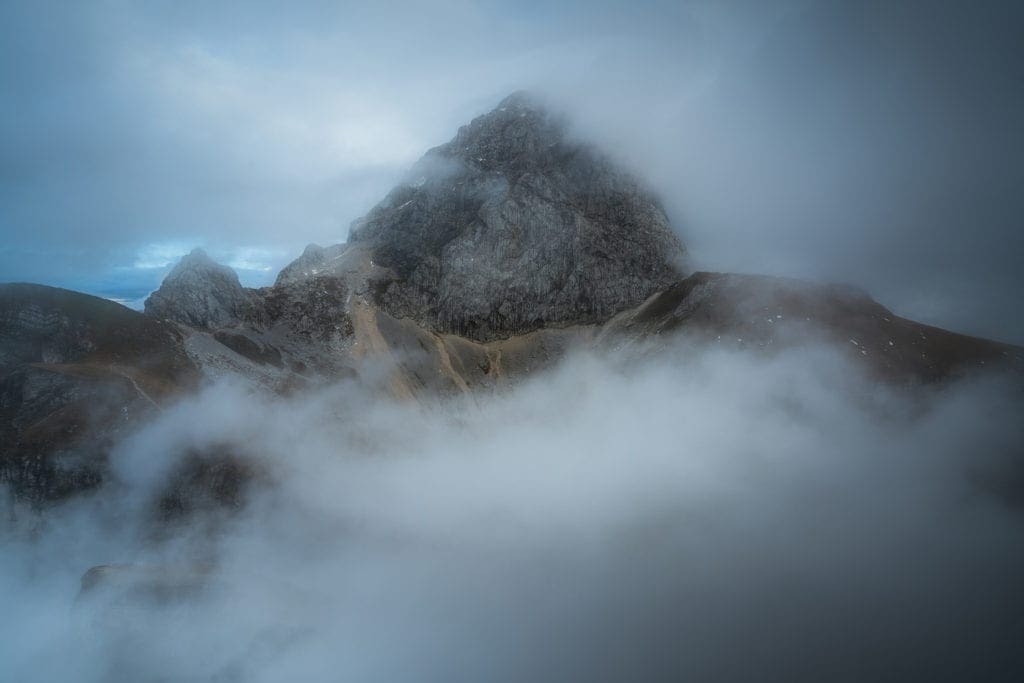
[725,517]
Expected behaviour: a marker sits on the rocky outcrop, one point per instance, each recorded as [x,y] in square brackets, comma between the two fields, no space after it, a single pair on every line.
[514,226]
[315,260]
[201,293]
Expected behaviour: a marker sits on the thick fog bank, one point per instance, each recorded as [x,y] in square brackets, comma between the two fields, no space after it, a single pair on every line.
[723,518]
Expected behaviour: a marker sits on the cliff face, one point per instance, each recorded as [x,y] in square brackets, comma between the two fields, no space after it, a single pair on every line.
[201,293]
[514,226]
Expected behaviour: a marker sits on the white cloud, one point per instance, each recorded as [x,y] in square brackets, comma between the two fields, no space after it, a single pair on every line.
[261,259]
[161,254]
[650,520]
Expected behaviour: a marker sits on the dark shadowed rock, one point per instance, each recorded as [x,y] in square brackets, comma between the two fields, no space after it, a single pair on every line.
[314,260]
[76,372]
[201,293]
[773,313]
[514,226]
[215,478]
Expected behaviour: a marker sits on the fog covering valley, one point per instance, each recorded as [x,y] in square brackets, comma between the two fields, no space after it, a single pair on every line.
[485,341]
[727,517]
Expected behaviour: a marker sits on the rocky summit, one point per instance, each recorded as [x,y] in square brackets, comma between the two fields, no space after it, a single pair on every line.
[507,248]
[514,225]
[201,293]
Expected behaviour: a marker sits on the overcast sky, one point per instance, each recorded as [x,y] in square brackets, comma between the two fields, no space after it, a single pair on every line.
[875,143]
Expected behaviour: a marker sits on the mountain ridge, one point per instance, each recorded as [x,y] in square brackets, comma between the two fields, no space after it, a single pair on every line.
[481,272]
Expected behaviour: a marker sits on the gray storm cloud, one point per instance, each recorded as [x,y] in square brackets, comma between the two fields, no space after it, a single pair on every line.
[866,142]
[723,518]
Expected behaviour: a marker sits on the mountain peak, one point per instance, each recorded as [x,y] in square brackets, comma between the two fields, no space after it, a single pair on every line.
[523,104]
[518,135]
[521,99]
[200,292]
[513,225]
[198,260]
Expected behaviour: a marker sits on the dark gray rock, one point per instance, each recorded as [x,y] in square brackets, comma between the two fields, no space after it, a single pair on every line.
[313,261]
[314,308]
[202,293]
[768,314]
[514,226]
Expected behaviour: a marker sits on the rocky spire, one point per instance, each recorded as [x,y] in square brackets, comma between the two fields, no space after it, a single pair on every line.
[513,225]
[202,293]
[311,263]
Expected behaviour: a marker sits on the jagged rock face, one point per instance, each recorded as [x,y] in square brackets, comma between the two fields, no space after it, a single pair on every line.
[514,226]
[313,308]
[201,293]
[313,261]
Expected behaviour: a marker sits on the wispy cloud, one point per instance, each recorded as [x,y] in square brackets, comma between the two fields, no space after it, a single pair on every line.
[161,255]
[723,514]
